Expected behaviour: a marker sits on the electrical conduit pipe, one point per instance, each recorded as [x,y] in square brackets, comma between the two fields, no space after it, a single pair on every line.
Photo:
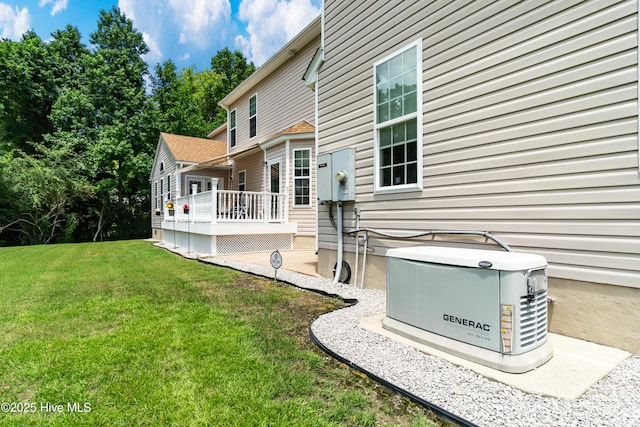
[341,177]
[336,277]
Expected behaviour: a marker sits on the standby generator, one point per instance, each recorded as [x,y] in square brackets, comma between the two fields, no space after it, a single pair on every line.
[486,306]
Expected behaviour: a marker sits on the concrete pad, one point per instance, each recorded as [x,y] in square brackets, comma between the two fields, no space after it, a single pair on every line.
[575,366]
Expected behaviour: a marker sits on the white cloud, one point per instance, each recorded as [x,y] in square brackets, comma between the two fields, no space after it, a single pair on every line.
[58,5]
[128,8]
[197,24]
[13,23]
[201,20]
[154,54]
[271,24]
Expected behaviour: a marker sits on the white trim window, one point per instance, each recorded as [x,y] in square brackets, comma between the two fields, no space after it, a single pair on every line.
[253,116]
[232,127]
[168,187]
[156,197]
[398,120]
[302,177]
[195,180]
[242,180]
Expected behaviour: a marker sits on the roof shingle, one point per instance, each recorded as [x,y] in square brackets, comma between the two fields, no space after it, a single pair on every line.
[192,149]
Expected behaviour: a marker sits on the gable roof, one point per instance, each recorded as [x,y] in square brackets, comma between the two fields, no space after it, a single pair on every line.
[303,38]
[192,149]
[302,126]
[302,129]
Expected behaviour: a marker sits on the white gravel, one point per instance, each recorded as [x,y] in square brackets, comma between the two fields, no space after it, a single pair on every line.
[613,401]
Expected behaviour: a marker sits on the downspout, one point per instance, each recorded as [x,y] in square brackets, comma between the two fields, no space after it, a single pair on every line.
[315,151]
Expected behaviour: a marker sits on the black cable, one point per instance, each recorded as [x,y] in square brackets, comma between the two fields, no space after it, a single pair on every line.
[484,234]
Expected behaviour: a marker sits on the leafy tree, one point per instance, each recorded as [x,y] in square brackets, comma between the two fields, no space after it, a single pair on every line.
[176,113]
[233,66]
[122,150]
[40,192]
[78,129]
[67,56]
[26,91]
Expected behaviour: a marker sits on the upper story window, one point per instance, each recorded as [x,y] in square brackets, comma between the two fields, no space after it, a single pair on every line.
[232,128]
[398,120]
[302,177]
[253,116]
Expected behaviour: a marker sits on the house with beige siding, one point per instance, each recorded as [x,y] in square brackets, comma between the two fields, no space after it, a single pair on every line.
[174,153]
[514,118]
[256,193]
[271,132]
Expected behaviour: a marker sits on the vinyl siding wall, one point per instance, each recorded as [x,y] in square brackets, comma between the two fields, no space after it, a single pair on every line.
[282,101]
[163,154]
[530,118]
[254,167]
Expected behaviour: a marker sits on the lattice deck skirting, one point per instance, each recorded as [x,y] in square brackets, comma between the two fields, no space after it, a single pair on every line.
[249,243]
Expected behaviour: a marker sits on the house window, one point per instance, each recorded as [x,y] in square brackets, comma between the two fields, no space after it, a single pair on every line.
[398,120]
[168,187]
[156,202]
[242,181]
[253,116]
[232,128]
[198,182]
[302,177]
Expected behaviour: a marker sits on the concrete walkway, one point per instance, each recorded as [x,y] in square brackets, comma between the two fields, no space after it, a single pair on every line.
[301,261]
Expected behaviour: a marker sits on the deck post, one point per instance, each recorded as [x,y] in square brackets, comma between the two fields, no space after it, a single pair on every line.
[214,200]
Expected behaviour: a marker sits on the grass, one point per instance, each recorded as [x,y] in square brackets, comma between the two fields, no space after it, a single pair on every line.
[133,335]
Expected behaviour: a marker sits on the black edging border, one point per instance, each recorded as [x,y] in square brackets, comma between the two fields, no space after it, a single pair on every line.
[441,412]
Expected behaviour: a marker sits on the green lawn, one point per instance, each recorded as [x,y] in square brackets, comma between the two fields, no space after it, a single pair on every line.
[133,335]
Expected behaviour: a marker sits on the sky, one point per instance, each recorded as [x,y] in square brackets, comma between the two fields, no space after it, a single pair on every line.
[189,32]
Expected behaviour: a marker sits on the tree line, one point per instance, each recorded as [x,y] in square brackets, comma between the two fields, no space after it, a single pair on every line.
[79,128]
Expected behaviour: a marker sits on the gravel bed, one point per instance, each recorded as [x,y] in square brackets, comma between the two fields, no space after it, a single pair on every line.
[613,401]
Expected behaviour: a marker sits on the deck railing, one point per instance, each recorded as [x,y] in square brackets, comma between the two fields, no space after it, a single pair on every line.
[230,206]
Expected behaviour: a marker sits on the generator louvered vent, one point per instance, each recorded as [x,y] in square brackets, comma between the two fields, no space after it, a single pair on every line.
[533,319]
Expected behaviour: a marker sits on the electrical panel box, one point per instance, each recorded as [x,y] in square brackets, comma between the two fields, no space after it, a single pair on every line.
[324,177]
[344,162]
[486,306]
[336,176]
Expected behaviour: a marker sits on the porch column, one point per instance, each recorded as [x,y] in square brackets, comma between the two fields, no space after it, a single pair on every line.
[178,179]
[214,200]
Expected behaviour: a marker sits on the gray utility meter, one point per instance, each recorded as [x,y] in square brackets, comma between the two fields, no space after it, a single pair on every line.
[486,306]
[337,176]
